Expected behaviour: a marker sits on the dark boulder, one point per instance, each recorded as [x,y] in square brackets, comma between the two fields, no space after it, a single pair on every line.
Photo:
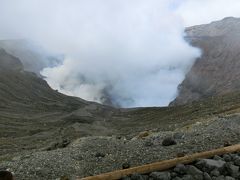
[169,141]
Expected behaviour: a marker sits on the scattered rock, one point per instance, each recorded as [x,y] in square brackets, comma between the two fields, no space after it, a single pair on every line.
[138,177]
[217,157]
[194,172]
[187,177]
[206,176]
[160,175]
[219,178]
[148,144]
[99,155]
[6,175]
[231,169]
[169,141]
[65,143]
[143,135]
[227,157]
[211,164]
[215,173]
[237,161]
[227,143]
[119,137]
[229,178]
[173,174]
[126,165]
[179,135]
[61,144]
[180,169]
[181,154]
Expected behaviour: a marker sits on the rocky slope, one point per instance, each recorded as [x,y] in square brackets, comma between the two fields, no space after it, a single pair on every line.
[32,115]
[47,135]
[216,72]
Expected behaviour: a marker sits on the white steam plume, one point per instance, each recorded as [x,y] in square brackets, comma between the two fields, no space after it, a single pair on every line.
[121,52]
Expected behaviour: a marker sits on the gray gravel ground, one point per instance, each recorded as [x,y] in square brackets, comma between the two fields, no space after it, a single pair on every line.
[93,155]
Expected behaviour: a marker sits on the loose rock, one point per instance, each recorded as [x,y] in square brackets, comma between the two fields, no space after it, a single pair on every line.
[169,141]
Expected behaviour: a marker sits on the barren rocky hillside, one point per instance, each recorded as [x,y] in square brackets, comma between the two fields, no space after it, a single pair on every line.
[216,72]
[47,135]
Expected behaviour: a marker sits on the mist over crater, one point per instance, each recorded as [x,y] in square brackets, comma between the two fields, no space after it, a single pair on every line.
[123,53]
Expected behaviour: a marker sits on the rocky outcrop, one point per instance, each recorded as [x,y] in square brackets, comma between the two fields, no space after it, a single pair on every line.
[216,72]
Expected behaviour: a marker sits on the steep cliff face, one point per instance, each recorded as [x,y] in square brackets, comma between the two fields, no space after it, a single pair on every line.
[217,71]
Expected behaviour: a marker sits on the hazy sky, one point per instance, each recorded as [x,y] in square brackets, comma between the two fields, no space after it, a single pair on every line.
[195,12]
[131,52]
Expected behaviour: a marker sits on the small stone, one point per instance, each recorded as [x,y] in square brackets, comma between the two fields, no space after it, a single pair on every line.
[229,178]
[234,156]
[216,157]
[195,172]
[119,137]
[178,135]
[27,156]
[200,164]
[65,143]
[64,178]
[180,169]
[237,161]
[137,177]
[187,177]
[6,175]
[173,174]
[215,173]
[229,169]
[126,165]
[212,164]
[169,141]
[148,144]
[227,157]
[143,135]
[99,155]
[181,154]
[233,170]
[227,143]
[160,175]
[219,178]
[17,158]
[206,176]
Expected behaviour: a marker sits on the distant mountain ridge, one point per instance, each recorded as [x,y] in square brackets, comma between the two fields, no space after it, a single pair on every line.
[33,57]
[217,71]
[9,62]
